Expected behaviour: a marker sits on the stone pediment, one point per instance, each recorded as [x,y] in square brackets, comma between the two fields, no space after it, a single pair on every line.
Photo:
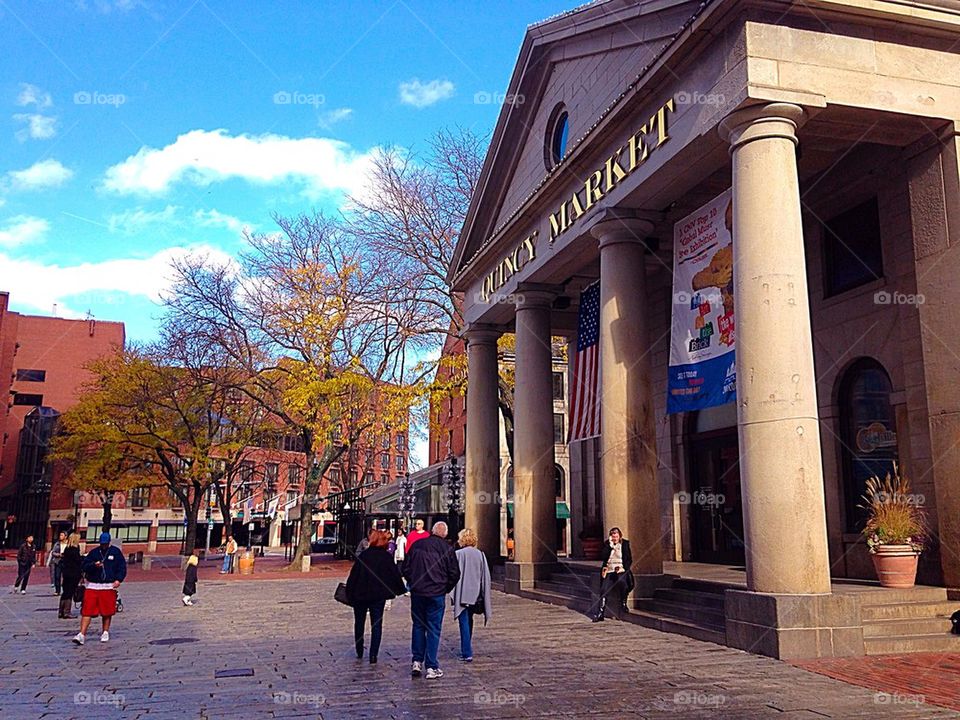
[582,61]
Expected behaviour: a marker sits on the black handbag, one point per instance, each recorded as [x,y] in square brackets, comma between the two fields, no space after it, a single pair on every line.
[78,594]
[340,594]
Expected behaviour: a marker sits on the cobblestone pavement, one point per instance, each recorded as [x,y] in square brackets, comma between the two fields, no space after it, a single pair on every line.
[533,660]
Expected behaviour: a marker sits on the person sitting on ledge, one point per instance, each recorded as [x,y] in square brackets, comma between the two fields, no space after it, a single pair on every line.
[617,579]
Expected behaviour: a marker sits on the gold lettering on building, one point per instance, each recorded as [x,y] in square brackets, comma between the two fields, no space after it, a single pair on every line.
[639,146]
[525,252]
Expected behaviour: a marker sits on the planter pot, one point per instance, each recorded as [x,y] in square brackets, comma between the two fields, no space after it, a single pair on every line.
[591,548]
[896,565]
[246,563]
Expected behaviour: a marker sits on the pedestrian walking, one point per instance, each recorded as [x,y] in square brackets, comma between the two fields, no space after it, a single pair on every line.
[71,569]
[26,559]
[471,596]
[190,578]
[418,533]
[53,562]
[374,580]
[104,569]
[432,570]
[617,579]
[401,542]
[229,555]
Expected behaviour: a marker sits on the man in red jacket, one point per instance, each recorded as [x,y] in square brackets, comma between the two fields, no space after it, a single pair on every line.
[417,534]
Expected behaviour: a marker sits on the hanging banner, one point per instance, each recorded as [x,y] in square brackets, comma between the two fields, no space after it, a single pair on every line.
[702,370]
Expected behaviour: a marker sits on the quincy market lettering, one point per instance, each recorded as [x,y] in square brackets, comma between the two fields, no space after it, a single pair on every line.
[616,168]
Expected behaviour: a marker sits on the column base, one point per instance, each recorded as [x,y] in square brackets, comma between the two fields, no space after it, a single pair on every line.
[790,627]
[521,575]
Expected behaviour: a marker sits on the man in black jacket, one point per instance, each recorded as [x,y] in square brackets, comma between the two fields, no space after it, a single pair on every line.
[432,570]
[26,557]
[617,578]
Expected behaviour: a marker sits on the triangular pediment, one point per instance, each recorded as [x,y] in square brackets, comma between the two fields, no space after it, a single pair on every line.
[582,61]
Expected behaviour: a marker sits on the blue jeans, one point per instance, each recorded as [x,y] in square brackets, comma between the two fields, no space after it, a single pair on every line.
[427,614]
[466,633]
[226,562]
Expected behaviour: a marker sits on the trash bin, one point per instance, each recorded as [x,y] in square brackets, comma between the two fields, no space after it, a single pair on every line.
[246,562]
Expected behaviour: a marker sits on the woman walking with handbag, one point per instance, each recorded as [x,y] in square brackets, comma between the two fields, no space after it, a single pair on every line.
[374,579]
[471,595]
[71,564]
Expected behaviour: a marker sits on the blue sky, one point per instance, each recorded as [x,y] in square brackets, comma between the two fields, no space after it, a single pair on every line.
[137,130]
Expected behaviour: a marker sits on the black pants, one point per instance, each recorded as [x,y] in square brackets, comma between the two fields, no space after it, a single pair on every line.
[23,576]
[613,591]
[69,586]
[376,626]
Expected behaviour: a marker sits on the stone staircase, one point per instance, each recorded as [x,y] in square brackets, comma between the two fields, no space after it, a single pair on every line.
[908,621]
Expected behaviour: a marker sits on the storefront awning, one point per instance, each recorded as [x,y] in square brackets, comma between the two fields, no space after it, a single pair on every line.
[563,510]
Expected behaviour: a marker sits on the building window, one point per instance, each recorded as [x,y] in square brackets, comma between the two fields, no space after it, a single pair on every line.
[293,443]
[401,441]
[558,386]
[139,497]
[128,533]
[291,497]
[31,375]
[30,399]
[868,433]
[293,476]
[559,476]
[851,248]
[401,463]
[559,437]
[384,460]
[368,457]
[449,441]
[271,471]
[385,444]
[171,533]
[384,479]
[558,132]
[368,477]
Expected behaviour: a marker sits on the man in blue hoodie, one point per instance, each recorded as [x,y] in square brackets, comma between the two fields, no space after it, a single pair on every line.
[104,569]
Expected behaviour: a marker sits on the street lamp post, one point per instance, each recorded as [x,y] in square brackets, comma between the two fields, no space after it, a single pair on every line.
[455,492]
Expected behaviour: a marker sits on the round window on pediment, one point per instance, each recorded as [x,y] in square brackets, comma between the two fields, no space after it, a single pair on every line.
[558,133]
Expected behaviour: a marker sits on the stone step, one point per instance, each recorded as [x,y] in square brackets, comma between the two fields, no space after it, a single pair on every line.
[691,613]
[696,630]
[907,610]
[892,596]
[580,604]
[705,586]
[565,587]
[911,644]
[690,597]
[904,627]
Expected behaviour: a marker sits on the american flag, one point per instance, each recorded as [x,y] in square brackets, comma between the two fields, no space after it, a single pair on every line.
[585,400]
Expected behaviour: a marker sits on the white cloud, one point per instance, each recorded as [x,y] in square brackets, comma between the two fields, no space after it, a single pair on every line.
[130,221]
[22,230]
[215,218]
[32,95]
[40,285]
[40,175]
[38,127]
[202,157]
[420,94]
[332,117]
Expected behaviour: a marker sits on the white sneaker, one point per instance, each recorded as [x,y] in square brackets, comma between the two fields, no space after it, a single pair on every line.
[434,673]
[23,592]
[416,669]
[186,600]
[105,636]
[79,638]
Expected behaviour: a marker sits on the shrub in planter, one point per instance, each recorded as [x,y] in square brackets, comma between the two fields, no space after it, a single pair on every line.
[895,529]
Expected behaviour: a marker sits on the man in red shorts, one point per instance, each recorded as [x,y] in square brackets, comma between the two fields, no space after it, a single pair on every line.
[104,569]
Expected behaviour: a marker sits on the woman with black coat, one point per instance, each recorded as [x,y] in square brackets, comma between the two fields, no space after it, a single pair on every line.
[617,579]
[374,579]
[71,564]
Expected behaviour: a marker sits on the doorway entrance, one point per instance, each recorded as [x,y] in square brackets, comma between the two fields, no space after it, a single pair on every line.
[713,497]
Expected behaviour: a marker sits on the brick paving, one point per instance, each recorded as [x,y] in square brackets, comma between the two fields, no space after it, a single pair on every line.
[533,660]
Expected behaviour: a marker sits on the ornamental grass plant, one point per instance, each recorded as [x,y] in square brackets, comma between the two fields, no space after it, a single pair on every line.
[895,514]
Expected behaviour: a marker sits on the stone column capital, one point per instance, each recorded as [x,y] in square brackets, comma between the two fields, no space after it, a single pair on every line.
[535,295]
[479,334]
[622,225]
[759,122]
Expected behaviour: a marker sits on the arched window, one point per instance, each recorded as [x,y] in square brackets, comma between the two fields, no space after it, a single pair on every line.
[558,133]
[868,431]
[560,478]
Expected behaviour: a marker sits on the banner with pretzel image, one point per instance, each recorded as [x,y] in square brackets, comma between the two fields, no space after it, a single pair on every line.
[702,371]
